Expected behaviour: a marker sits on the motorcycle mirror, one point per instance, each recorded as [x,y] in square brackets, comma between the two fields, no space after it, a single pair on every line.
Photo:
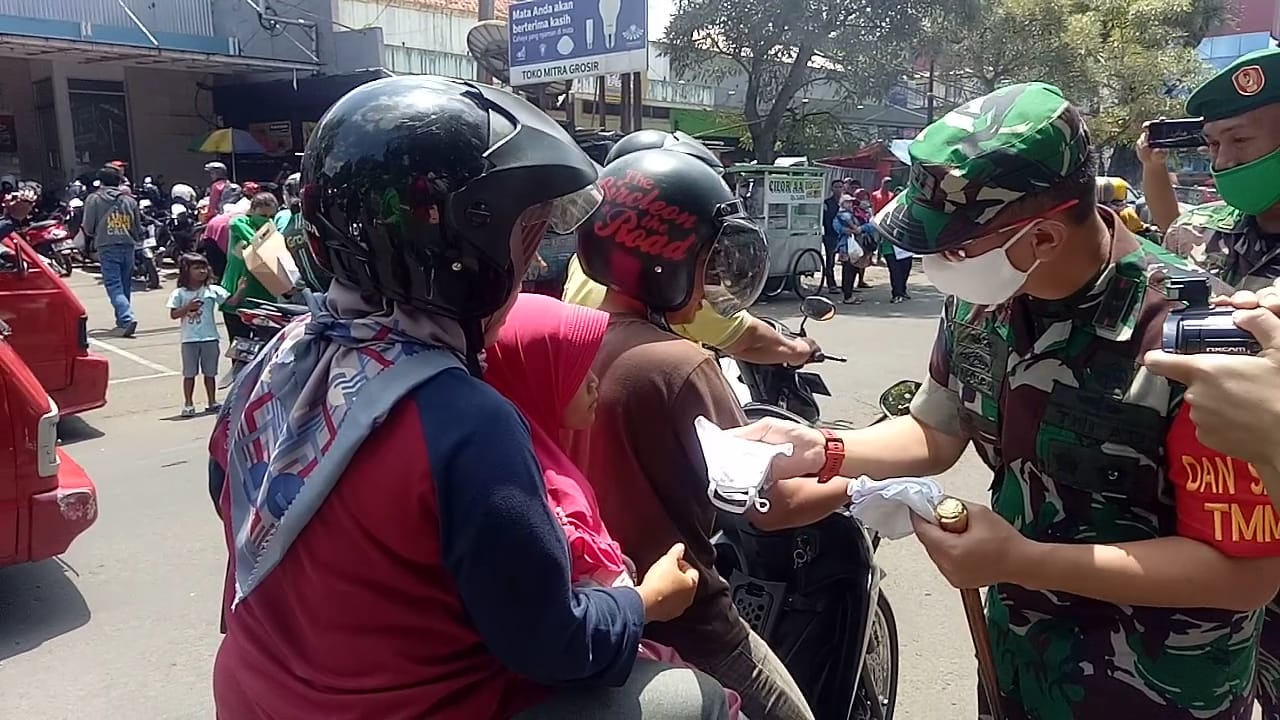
[818,308]
[896,401]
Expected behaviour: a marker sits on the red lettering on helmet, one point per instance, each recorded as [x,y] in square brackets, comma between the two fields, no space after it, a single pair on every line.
[635,218]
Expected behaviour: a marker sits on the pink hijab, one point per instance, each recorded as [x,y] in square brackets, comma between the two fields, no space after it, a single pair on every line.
[539,361]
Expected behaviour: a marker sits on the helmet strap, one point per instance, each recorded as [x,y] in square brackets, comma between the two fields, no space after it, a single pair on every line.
[658,318]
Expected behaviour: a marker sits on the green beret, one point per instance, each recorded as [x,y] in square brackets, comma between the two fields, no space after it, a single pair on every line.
[1251,82]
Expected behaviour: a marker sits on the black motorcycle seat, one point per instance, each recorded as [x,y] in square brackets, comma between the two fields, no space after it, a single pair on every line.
[43,224]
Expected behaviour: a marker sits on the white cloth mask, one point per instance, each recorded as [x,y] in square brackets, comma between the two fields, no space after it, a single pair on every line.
[988,279]
[736,468]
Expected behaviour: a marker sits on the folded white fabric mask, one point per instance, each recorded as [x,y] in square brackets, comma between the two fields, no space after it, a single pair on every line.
[885,506]
[736,468]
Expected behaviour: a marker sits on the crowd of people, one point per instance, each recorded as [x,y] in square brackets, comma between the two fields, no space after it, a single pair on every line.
[430,441]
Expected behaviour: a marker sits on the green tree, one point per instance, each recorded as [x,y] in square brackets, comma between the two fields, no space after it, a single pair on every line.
[1123,61]
[783,47]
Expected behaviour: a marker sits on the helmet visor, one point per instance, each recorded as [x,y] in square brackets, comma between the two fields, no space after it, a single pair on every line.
[565,213]
[736,268]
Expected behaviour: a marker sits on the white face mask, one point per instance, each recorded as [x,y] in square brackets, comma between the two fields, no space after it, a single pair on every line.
[988,279]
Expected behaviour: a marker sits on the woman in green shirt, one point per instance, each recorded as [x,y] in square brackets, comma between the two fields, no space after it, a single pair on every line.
[262,210]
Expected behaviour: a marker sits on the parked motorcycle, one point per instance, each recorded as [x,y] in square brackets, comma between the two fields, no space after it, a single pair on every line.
[813,593]
[51,239]
[144,258]
[179,232]
[265,320]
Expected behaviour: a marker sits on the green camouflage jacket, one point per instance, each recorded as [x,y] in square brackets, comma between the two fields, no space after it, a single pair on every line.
[1225,242]
[1054,399]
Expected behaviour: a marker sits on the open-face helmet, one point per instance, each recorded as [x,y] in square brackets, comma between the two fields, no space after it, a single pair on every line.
[434,193]
[668,225]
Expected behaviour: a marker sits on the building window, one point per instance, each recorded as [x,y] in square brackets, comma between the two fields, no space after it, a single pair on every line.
[99,122]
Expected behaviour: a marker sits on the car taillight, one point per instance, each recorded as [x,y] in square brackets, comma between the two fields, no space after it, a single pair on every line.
[47,460]
[82,332]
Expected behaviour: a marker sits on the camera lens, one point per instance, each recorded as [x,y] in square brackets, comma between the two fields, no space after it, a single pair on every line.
[1207,331]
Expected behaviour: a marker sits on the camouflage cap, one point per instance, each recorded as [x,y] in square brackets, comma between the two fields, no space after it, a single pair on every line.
[1249,83]
[979,158]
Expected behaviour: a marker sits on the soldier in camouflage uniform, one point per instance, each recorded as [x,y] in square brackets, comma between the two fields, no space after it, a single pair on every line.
[1238,239]
[1038,365]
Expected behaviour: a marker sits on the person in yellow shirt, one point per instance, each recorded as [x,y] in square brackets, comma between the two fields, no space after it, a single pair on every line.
[742,336]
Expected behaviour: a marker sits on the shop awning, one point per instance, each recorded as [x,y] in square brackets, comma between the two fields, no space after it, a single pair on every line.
[97,53]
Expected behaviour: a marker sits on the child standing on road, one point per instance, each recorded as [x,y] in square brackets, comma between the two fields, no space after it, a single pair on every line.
[193,303]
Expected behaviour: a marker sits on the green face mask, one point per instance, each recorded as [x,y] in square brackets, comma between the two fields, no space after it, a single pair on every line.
[1251,188]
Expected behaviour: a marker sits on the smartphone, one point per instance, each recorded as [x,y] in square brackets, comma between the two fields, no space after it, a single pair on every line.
[1176,134]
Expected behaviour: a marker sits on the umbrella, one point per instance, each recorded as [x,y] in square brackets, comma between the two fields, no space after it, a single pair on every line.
[230,141]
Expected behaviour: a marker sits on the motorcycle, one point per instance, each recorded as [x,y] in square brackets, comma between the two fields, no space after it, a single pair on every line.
[812,593]
[51,239]
[179,231]
[145,257]
[265,321]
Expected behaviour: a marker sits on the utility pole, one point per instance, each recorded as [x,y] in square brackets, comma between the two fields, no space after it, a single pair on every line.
[485,12]
[928,101]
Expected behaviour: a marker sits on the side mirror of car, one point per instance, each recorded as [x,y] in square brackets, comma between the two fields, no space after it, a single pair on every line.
[896,401]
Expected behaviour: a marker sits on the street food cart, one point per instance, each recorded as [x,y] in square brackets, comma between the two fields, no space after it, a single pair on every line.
[786,202]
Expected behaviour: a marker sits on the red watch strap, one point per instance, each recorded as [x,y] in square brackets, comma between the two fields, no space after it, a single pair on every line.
[835,455]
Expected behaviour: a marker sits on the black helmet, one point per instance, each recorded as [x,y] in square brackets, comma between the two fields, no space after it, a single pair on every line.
[414,189]
[663,140]
[665,217]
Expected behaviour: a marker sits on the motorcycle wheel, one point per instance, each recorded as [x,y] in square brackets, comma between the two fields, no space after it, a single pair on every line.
[153,275]
[879,679]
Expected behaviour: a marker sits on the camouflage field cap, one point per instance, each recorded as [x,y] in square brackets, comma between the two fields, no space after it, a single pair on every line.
[985,154]
[1249,83]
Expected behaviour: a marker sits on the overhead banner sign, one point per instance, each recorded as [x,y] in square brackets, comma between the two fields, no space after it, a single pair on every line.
[558,40]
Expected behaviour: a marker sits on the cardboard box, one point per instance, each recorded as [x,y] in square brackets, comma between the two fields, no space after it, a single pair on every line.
[269,260]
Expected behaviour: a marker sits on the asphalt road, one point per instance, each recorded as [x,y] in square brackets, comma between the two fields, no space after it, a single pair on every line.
[125,624]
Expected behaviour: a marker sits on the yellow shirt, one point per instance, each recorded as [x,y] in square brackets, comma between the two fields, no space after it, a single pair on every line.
[707,327]
[1132,220]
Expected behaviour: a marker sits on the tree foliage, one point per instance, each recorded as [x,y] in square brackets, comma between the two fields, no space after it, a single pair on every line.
[1123,61]
[783,47]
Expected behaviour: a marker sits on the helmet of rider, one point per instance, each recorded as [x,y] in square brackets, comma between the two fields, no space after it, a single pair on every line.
[183,193]
[292,186]
[216,169]
[433,193]
[252,188]
[661,139]
[1112,191]
[669,233]
[231,194]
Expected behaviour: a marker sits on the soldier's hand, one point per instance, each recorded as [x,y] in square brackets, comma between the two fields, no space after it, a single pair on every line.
[989,551]
[1233,398]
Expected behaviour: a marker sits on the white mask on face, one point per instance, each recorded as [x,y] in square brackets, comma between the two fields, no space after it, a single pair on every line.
[988,279]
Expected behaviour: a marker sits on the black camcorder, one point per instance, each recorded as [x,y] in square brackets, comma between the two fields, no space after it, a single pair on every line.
[1198,326]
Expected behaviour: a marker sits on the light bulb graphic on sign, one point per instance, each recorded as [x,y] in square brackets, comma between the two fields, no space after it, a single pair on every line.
[609,20]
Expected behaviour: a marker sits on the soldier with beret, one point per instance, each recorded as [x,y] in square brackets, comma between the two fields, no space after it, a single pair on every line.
[1109,592]
[1238,240]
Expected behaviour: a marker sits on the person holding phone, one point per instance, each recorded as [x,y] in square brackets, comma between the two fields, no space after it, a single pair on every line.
[1238,238]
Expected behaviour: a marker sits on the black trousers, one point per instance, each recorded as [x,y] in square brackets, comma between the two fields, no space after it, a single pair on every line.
[849,274]
[829,268]
[217,259]
[899,271]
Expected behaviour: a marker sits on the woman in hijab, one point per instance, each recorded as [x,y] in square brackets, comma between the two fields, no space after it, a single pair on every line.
[541,362]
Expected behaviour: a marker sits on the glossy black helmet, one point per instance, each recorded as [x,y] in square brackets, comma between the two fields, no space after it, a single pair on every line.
[663,140]
[434,193]
[667,226]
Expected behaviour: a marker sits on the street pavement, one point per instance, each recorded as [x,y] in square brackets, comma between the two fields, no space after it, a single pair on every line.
[125,625]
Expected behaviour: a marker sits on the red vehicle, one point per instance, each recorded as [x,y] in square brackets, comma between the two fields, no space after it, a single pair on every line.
[46,499]
[49,330]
